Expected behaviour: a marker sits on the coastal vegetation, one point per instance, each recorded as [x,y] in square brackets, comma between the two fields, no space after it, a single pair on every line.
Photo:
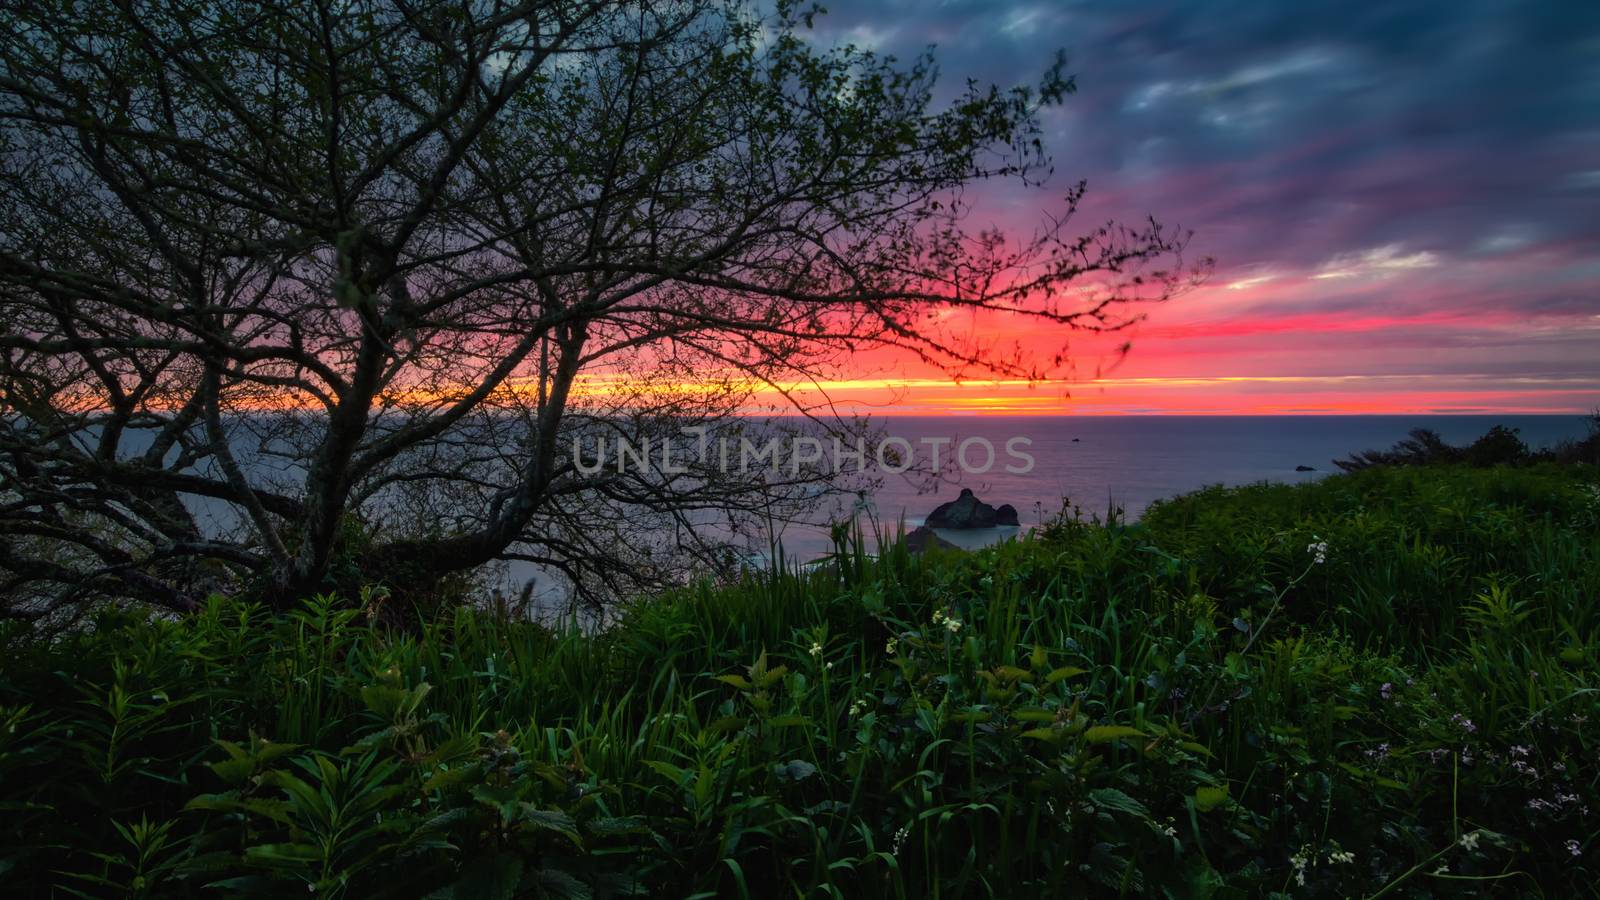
[1378,683]
[1499,446]
[317,320]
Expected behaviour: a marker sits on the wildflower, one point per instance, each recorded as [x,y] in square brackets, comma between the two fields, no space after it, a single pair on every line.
[1299,861]
[891,646]
[858,707]
[1386,690]
[938,616]
[829,666]
[1464,722]
[1442,870]
[900,837]
[1169,831]
[1572,847]
[1470,840]
[952,625]
[1343,857]
[1318,550]
[1518,750]
[816,649]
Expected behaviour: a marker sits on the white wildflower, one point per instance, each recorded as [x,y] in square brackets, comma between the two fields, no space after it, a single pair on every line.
[891,646]
[1318,550]
[1470,840]
[1572,847]
[1299,861]
[816,649]
[952,625]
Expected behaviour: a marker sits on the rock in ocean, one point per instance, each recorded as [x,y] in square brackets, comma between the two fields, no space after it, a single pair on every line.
[967,511]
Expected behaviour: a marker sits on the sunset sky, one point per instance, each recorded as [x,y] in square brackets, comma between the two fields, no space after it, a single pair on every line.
[1402,198]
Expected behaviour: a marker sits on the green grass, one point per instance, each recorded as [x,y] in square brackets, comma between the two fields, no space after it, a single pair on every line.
[1190,706]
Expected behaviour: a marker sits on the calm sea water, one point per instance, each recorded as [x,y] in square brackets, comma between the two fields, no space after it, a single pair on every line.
[1094,462]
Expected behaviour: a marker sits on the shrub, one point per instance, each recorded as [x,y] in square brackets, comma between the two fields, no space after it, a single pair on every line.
[1384,681]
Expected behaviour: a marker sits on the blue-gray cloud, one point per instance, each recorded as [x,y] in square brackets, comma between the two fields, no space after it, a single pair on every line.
[1291,134]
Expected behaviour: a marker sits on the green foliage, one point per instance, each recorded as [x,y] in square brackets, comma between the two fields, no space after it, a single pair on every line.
[1382,682]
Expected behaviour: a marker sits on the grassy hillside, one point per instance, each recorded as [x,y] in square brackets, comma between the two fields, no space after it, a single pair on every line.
[1380,682]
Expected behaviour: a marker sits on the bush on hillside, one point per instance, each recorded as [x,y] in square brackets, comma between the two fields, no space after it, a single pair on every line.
[1499,446]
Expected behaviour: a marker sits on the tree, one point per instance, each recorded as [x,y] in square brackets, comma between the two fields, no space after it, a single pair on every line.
[300,295]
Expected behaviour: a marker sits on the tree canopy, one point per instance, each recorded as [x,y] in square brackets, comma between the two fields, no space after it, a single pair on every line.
[301,295]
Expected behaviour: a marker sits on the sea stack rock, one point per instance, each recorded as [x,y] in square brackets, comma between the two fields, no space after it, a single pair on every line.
[1006,514]
[923,538]
[966,511]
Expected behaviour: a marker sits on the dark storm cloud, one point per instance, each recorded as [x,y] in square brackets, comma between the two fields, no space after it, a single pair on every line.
[1290,134]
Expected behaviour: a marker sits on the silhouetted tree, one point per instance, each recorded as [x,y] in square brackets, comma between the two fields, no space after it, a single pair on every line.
[299,295]
[1422,447]
[1499,446]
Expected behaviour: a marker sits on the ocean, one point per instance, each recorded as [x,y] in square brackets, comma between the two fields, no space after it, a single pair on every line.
[1094,462]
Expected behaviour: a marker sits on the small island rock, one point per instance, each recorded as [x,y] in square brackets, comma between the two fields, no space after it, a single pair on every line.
[966,511]
[1304,469]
